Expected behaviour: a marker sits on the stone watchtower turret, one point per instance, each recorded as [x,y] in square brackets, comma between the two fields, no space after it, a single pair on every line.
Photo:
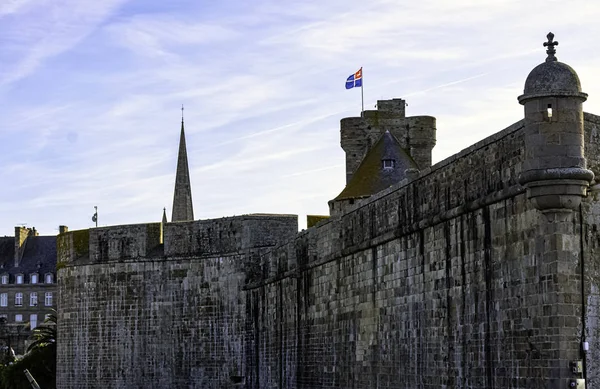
[415,134]
[556,178]
[554,170]
[382,147]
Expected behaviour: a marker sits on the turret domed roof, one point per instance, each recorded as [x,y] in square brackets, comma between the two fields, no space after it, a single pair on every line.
[552,78]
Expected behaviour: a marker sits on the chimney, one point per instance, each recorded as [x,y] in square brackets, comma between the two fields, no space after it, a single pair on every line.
[62,229]
[21,234]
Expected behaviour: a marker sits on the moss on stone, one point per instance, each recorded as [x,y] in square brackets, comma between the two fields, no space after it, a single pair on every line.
[81,242]
[311,220]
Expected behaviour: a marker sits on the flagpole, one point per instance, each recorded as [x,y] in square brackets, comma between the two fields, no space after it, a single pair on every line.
[362,96]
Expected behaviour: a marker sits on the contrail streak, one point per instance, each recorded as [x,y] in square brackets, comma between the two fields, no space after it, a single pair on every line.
[446,84]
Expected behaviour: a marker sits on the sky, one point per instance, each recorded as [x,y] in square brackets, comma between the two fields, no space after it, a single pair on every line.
[91,95]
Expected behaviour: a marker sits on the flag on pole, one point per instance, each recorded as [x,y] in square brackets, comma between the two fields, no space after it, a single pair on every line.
[355,80]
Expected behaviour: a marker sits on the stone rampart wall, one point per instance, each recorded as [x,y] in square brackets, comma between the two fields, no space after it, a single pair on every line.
[133,313]
[438,282]
[434,283]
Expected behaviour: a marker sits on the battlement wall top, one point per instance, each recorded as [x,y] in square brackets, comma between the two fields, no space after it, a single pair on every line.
[397,106]
[373,117]
[105,244]
[179,239]
[228,234]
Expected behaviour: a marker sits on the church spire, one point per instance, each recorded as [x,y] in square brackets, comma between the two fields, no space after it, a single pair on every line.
[182,199]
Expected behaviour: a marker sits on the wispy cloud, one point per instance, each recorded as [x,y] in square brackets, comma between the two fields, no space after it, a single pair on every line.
[9,7]
[46,30]
[90,94]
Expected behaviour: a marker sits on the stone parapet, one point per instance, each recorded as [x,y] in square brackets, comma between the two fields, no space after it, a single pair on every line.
[180,239]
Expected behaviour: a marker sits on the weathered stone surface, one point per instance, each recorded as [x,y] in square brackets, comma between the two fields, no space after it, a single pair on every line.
[134,313]
[463,285]
[451,278]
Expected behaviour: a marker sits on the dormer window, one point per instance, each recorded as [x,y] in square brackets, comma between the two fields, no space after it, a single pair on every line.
[19,279]
[34,278]
[49,278]
[388,163]
[4,279]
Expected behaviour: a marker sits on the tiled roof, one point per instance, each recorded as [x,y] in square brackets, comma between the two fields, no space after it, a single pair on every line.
[370,177]
[7,252]
[39,255]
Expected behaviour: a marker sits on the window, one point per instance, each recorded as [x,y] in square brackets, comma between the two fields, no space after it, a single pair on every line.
[4,300]
[32,321]
[19,278]
[3,318]
[48,299]
[18,299]
[388,163]
[19,318]
[4,279]
[33,299]
[34,278]
[49,278]
[549,111]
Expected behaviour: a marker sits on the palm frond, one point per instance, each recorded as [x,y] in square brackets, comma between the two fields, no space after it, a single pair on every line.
[44,335]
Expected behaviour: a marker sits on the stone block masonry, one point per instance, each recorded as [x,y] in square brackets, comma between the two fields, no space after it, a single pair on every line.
[137,313]
[482,271]
[451,281]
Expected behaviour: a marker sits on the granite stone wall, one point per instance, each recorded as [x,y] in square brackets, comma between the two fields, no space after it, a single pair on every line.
[445,281]
[451,280]
[590,243]
[134,313]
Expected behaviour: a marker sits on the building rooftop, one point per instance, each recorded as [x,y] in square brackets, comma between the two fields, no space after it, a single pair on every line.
[372,175]
[39,255]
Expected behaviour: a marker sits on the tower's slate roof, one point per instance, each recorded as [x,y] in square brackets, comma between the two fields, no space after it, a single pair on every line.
[7,251]
[370,177]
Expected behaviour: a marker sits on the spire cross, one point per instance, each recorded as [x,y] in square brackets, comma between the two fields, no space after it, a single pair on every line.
[550,44]
[182,113]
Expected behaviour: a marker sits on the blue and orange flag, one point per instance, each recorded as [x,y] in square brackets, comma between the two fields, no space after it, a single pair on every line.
[355,80]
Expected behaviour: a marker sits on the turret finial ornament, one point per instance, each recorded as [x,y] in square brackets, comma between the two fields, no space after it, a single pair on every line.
[551,50]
